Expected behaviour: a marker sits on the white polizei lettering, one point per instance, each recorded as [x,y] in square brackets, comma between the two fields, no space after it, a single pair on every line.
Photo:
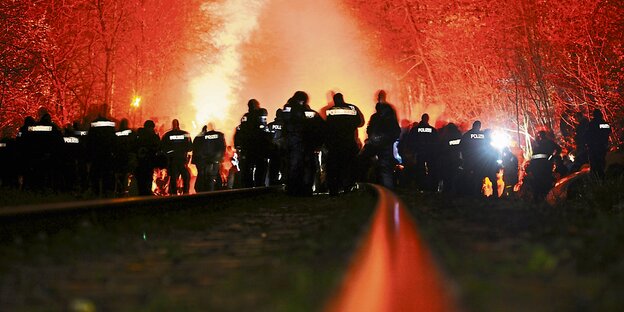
[310,114]
[605,126]
[177,137]
[212,137]
[99,124]
[455,142]
[81,133]
[71,140]
[341,112]
[123,133]
[2,144]
[277,127]
[539,156]
[40,128]
[477,136]
[286,109]
[425,130]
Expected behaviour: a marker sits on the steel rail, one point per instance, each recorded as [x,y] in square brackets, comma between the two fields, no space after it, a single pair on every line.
[393,269]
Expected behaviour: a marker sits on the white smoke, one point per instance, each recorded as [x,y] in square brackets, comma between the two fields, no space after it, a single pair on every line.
[214,90]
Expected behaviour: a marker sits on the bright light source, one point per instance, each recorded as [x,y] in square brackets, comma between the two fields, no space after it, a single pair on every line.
[500,140]
[136,102]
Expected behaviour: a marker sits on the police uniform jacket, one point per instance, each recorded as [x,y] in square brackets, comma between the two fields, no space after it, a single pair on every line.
[101,140]
[176,145]
[341,125]
[597,135]
[208,147]
[383,128]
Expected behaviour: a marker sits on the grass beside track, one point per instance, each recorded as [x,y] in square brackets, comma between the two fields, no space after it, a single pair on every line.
[266,253]
[510,255]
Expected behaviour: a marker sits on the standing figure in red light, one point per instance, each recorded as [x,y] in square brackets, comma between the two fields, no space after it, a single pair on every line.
[101,140]
[471,147]
[597,138]
[252,141]
[343,119]
[422,140]
[383,130]
[177,145]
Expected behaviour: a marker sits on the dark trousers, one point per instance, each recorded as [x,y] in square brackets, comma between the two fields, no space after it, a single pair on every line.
[208,176]
[597,162]
[385,163]
[102,177]
[253,170]
[340,169]
[301,171]
[176,169]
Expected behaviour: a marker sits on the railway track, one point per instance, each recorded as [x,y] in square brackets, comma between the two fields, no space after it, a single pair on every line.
[249,249]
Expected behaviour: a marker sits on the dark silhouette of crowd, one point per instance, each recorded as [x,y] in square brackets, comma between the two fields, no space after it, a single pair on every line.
[308,152]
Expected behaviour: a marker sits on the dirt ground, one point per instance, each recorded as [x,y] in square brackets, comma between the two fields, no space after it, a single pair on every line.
[267,253]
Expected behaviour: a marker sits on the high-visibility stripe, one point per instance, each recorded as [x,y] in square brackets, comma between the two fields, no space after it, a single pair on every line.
[3,144]
[100,124]
[177,137]
[40,128]
[123,133]
[212,136]
[341,112]
[81,133]
[605,126]
[310,114]
[425,130]
[539,156]
[477,136]
[455,142]
[71,140]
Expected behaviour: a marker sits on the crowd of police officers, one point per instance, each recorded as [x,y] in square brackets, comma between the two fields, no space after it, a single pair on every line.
[307,151]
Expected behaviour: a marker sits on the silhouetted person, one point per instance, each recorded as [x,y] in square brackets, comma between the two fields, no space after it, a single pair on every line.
[277,153]
[177,145]
[383,130]
[510,171]
[597,138]
[125,157]
[147,148]
[252,140]
[422,140]
[343,119]
[47,140]
[303,131]
[540,169]
[208,151]
[450,157]
[580,141]
[472,146]
[101,140]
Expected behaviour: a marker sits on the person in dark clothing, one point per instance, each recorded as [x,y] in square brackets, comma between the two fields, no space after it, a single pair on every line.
[450,158]
[383,130]
[510,171]
[422,140]
[8,161]
[277,153]
[580,141]
[304,133]
[597,139]
[540,169]
[24,152]
[492,164]
[125,158]
[101,141]
[71,152]
[252,140]
[147,148]
[47,143]
[343,119]
[208,151]
[472,146]
[177,145]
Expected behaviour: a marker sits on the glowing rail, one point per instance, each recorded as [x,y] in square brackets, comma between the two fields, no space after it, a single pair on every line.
[392,270]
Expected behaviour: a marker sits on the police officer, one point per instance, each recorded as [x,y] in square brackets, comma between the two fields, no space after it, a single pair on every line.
[147,148]
[597,139]
[472,146]
[24,151]
[47,142]
[208,151]
[343,119]
[540,169]
[580,141]
[510,171]
[252,140]
[101,140]
[125,157]
[176,145]
[277,169]
[383,130]
[423,140]
[450,158]
[303,131]
[71,151]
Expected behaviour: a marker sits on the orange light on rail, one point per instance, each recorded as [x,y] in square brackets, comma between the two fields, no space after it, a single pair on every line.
[393,270]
